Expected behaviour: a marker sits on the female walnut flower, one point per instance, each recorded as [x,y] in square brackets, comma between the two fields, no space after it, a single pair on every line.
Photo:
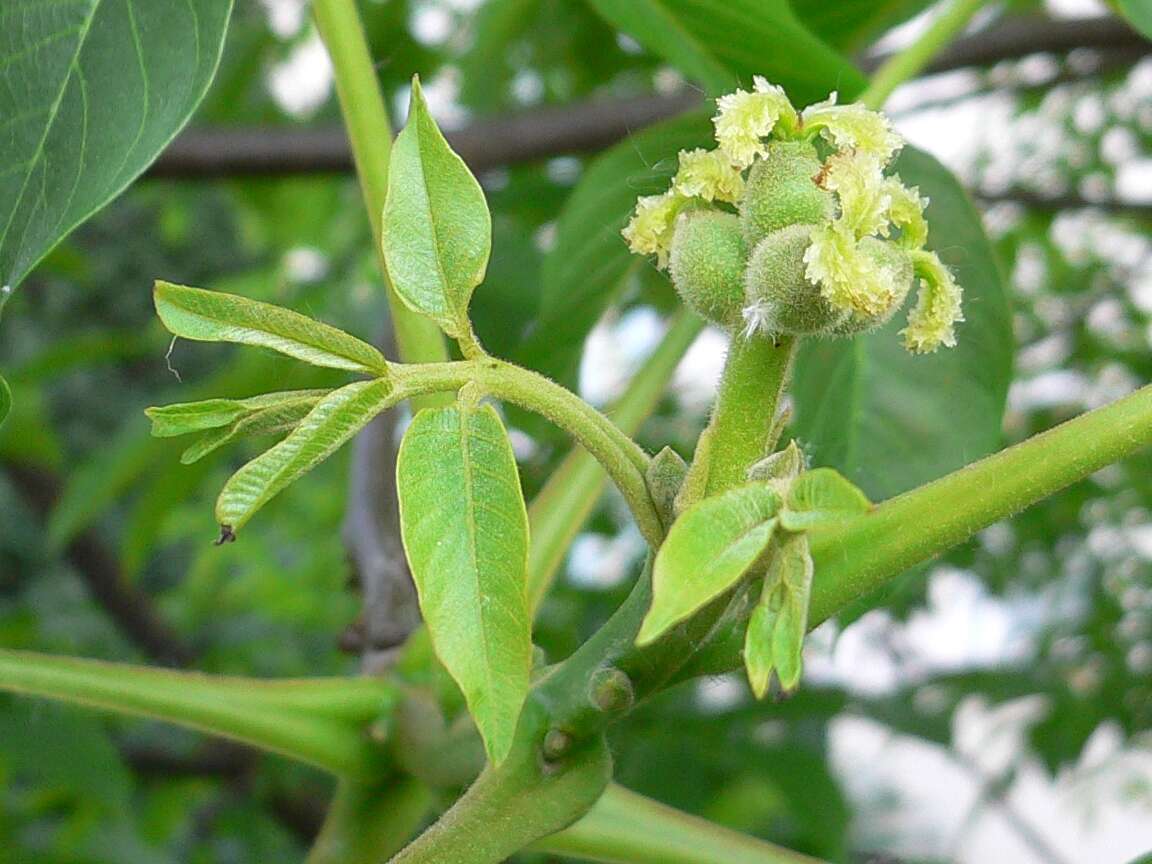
[791,225]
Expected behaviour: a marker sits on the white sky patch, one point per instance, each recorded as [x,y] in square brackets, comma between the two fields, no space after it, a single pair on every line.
[303,82]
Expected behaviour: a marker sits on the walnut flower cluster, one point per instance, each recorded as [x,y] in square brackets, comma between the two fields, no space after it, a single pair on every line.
[791,225]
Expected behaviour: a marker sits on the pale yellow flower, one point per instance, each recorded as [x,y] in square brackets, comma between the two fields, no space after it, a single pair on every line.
[848,279]
[708,174]
[906,211]
[650,230]
[745,119]
[931,323]
[858,180]
[853,127]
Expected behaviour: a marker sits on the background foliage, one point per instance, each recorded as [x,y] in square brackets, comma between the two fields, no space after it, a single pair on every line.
[104,535]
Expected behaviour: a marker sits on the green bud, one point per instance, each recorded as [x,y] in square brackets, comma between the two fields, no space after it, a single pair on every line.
[611,691]
[778,296]
[707,265]
[898,271]
[782,191]
[665,476]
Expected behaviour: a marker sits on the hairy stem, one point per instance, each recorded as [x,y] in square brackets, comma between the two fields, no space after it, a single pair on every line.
[370,135]
[623,459]
[754,380]
[368,822]
[908,63]
[860,555]
[319,721]
[626,828]
[563,505]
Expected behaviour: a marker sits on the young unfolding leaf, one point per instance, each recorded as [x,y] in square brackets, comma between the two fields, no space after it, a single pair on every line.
[212,316]
[437,232]
[465,531]
[665,476]
[171,420]
[782,465]
[334,419]
[820,497]
[709,548]
[774,640]
[273,420]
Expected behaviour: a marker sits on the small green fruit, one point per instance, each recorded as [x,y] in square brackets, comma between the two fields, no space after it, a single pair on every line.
[778,296]
[707,265]
[897,266]
[782,191]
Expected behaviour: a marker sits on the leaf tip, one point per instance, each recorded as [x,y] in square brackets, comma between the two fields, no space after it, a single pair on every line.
[227,535]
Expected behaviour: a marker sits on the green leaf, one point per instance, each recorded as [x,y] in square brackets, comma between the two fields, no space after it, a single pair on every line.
[92,91]
[774,640]
[273,420]
[335,419]
[820,497]
[888,420]
[709,548]
[587,268]
[852,25]
[1138,13]
[723,43]
[437,231]
[465,531]
[213,316]
[182,418]
[5,399]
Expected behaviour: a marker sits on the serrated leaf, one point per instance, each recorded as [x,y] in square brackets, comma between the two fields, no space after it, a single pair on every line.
[437,231]
[90,93]
[774,640]
[213,316]
[273,420]
[821,497]
[185,417]
[888,420]
[334,419]
[708,549]
[465,532]
[721,44]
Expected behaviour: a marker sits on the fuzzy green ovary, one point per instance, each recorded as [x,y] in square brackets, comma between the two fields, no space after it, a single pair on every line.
[897,266]
[707,265]
[778,296]
[782,191]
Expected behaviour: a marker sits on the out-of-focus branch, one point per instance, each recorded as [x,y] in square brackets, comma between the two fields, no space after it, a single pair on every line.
[132,610]
[1038,201]
[593,125]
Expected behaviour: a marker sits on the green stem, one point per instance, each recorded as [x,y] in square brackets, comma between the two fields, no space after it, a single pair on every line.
[626,828]
[860,555]
[911,61]
[370,134]
[368,822]
[517,802]
[564,504]
[754,379]
[320,722]
[623,459]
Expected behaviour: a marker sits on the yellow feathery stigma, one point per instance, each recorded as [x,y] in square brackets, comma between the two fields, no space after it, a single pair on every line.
[858,180]
[708,174]
[848,279]
[745,119]
[853,127]
[650,230]
[931,323]
[906,211]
